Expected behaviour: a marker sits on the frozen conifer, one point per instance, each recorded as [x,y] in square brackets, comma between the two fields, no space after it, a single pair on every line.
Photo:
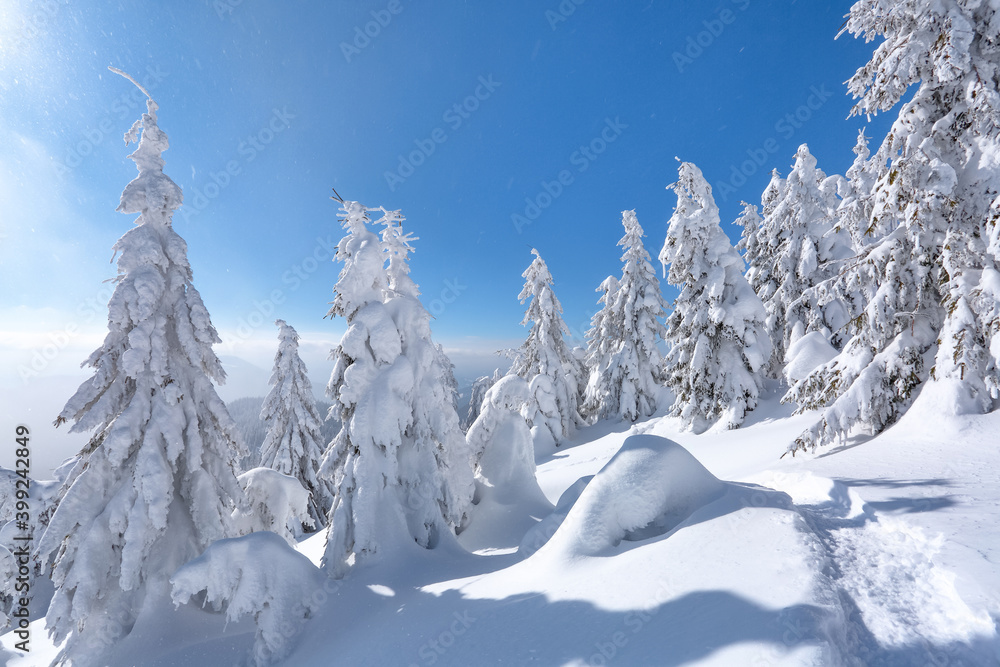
[401,467]
[545,361]
[719,343]
[293,445]
[156,483]
[931,281]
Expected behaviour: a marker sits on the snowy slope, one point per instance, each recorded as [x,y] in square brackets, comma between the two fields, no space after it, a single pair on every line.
[883,551]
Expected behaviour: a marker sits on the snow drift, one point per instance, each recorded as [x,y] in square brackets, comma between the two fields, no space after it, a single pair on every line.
[650,486]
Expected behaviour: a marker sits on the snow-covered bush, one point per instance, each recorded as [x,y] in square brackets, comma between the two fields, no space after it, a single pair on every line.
[156,483]
[500,439]
[508,499]
[261,576]
[719,343]
[293,444]
[545,361]
[275,502]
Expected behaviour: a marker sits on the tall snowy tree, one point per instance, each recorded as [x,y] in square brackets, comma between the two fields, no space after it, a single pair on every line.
[806,250]
[934,286]
[545,360]
[719,346]
[854,215]
[629,385]
[401,467]
[759,242]
[603,339]
[293,445]
[749,222]
[156,483]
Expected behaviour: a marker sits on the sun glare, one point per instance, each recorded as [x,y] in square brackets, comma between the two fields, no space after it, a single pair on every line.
[21,25]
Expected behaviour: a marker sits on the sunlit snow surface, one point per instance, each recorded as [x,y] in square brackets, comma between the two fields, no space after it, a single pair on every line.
[881,551]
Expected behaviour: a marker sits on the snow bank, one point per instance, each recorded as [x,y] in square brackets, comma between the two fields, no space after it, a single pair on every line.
[256,575]
[542,532]
[646,489]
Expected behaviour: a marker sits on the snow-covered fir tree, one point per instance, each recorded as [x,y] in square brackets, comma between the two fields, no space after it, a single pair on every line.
[603,339]
[400,464]
[477,393]
[759,240]
[933,284]
[719,347]
[749,222]
[156,483]
[806,250]
[854,215]
[628,384]
[545,361]
[436,434]
[293,444]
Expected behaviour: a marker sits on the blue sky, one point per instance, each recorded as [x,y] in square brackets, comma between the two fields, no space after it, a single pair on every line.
[268,105]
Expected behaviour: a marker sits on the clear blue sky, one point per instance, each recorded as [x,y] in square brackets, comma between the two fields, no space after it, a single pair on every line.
[293,101]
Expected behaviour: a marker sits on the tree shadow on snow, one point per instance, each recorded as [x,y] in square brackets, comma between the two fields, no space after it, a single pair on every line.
[895,483]
[450,629]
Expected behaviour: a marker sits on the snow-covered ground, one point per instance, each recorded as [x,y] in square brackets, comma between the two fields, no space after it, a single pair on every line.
[883,551]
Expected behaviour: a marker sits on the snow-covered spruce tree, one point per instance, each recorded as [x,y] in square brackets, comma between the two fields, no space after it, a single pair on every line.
[854,215]
[480,386]
[719,347]
[603,339]
[400,465]
[545,361]
[935,286]
[634,372]
[293,444]
[156,484]
[436,435]
[749,222]
[759,242]
[806,250]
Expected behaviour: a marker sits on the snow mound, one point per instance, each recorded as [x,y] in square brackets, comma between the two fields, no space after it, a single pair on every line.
[650,486]
[256,575]
[542,532]
[806,355]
